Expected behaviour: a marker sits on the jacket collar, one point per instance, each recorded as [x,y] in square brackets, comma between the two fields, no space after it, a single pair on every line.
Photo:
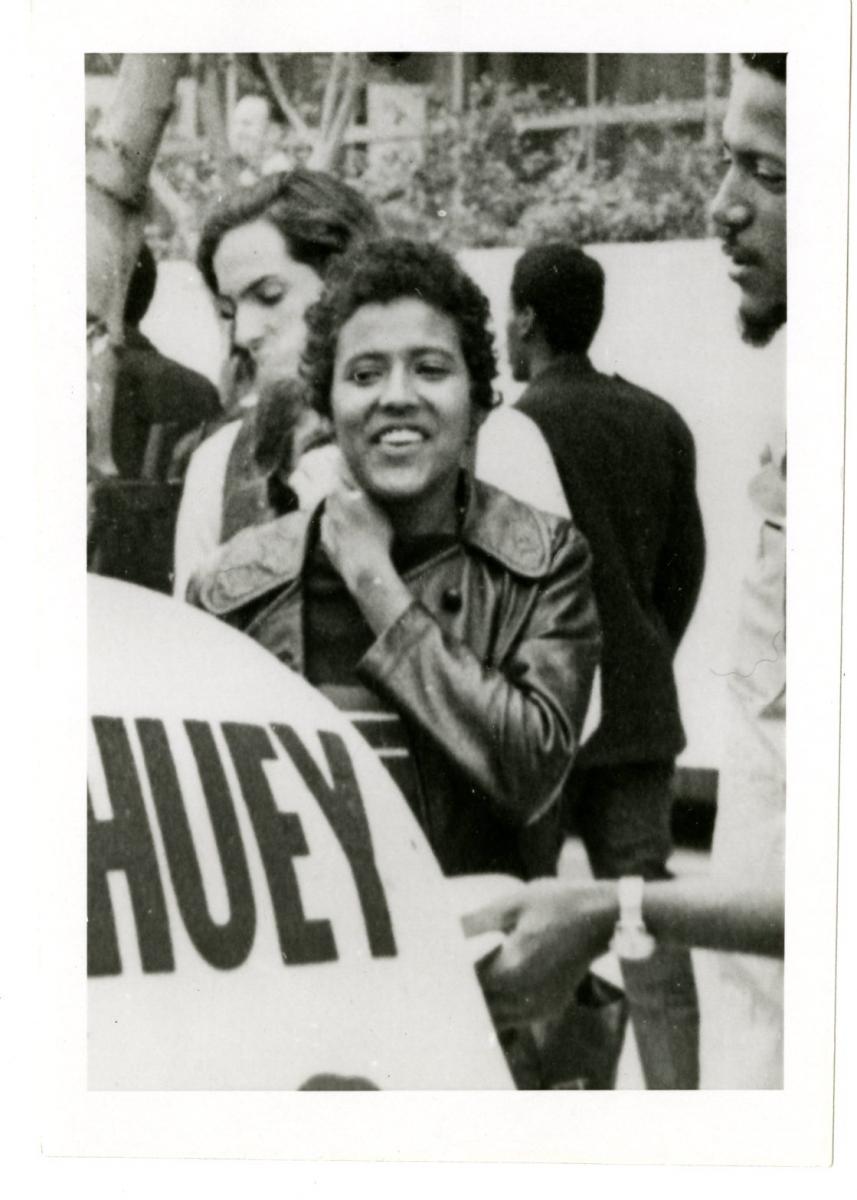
[256,561]
[135,340]
[267,557]
[512,533]
[565,365]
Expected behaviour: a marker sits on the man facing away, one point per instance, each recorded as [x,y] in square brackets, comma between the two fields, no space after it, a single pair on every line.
[627,464]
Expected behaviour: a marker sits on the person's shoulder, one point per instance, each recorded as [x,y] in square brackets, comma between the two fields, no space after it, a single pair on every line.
[508,432]
[171,378]
[656,420]
[547,388]
[504,421]
[518,536]
[512,454]
[256,561]
[563,383]
[190,378]
[647,401]
[216,447]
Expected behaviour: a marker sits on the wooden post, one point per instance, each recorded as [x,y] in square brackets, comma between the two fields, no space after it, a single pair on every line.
[591,134]
[458,105]
[457,84]
[501,67]
[712,131]
[214,120]
[231,88]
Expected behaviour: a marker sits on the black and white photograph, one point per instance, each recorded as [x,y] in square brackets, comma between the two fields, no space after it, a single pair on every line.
[435,410]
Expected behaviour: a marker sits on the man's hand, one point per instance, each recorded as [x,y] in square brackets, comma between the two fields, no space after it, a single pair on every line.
[553,932]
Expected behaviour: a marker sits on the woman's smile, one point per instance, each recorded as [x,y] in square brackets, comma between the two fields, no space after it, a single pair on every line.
[401,402]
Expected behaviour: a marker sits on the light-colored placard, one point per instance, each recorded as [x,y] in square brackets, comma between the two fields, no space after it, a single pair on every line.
[264,911]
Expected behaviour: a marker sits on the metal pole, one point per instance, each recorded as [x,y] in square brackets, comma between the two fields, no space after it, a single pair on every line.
[457,88]
[711,124]
[231,89]
[591,134]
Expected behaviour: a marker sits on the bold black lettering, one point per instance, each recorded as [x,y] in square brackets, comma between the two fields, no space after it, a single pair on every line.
[343,806]
[281,838]
[123,843]
[224,945]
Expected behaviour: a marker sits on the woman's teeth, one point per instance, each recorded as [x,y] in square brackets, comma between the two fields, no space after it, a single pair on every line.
[401,437]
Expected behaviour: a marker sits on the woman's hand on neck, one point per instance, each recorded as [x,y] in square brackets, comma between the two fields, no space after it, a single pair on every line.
[357,536]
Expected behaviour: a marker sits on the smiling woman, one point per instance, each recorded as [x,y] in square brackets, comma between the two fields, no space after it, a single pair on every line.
[402,410]
[460,618]
[455,624]
[400,357]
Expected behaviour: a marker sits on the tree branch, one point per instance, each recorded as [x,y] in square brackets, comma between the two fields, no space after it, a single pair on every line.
[127,136]
[288,110]
[118,162]
[211,111]
[328,103]
[180,211]
[332,135]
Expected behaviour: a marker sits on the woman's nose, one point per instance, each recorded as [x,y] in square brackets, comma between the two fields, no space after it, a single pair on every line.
[398,386]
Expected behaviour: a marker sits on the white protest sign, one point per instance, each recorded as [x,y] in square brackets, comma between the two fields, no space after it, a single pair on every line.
[263,910]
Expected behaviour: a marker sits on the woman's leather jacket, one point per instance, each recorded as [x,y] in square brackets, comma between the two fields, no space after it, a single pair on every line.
[491,667]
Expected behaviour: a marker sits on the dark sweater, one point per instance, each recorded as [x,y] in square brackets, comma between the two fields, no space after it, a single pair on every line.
[153,390]
[627,463]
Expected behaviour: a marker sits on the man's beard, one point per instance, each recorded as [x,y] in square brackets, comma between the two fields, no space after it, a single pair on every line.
[759,330]
[277,412]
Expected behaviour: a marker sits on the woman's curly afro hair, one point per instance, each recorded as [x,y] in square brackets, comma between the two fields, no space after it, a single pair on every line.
[380,272]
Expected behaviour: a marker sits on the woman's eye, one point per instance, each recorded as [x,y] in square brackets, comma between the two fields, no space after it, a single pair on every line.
[226,310]
[364,375]
[433,370]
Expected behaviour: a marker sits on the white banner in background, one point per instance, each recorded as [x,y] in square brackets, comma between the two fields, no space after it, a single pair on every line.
[263,910]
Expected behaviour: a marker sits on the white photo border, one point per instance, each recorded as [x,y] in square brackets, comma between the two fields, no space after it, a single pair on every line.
[789,1127]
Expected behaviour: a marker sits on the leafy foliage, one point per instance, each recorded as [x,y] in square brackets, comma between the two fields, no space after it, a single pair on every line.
[479,182]
[656,195]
